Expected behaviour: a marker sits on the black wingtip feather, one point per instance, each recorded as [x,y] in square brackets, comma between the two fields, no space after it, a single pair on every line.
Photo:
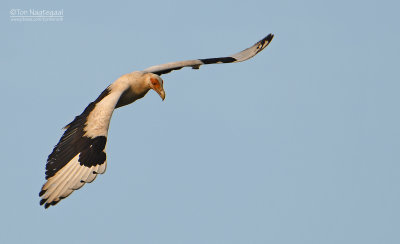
[48,204]
[42,201]
[269,37]
[265,42]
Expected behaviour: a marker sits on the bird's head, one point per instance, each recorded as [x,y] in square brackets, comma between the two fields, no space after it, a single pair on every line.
[156,83]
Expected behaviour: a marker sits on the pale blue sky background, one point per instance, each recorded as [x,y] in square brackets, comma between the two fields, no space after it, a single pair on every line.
[298,145]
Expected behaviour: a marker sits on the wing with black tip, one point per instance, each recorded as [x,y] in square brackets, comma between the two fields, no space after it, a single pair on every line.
[80,154]
[196,63]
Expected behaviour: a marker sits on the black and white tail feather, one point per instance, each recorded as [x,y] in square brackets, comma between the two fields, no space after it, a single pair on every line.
[80,154]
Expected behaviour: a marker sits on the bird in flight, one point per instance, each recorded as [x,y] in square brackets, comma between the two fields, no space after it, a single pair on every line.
[80,154]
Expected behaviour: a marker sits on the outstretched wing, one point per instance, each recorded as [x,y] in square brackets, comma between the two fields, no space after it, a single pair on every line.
[80,154]
[195,63]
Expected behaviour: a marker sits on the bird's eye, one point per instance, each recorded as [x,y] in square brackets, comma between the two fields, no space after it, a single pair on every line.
[154,81]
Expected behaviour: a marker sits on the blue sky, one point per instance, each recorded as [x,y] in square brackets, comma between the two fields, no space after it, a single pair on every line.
[298,145]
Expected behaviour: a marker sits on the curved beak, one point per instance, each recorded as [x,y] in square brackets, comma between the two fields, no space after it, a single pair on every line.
[161,92]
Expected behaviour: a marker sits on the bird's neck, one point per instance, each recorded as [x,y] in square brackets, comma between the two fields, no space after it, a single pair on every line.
[134,88]
[129,96]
